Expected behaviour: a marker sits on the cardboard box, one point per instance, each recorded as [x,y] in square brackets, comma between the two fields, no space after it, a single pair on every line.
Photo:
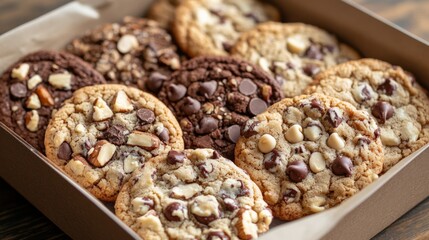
[82,216]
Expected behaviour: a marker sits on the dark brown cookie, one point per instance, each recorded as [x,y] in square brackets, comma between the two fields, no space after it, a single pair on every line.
[136,52]
[213,97]
[36,85]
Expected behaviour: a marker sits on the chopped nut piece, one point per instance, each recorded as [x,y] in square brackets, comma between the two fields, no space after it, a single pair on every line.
[101,110]
[60,80]
[32,120]
[33,81]
[121,103]
[44,96]
[33,102]
[144,140]
[102,153]
[21,72]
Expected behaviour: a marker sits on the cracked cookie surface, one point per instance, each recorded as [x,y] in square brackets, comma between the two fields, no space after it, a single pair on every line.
[211,27]
[136,52]
[310,153]
[212,97]
[193,194]
[390,95]
[37,84]
[292,52]
[105,132]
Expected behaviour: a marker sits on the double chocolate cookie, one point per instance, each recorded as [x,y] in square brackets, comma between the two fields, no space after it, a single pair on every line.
[105,132]
[37,84]
[292,52]
[212,97]
[136,52]
[310,153]
[211,27]
[193,194]
[390,95]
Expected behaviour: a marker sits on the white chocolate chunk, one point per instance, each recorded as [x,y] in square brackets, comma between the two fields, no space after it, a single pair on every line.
[60,80]
[266,143]
[389,138]
[205,206]
[21,72]
[79,129]
[122,103]
[336,142]
[359,94]
[296,44]
[131,163]
[312,133]
[127,43]
[186,191]
[264,64]
[317,162]
[33,102]
[410,132]
[101,110]
[294,134]
[76,167]
[34,81]
[140,205]
[317,203]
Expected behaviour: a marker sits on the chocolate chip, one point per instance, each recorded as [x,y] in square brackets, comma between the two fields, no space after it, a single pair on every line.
[377,133]
[145,115]
[316,105]
[388,87]
[169,212]
[176,92]
[230,204]
[207,88]
[227,46]
[342,166]
[366,94]
[148,202]
[247,87]
[155,81]
[64,151]
[233,133]
[314,52]
[215,155]
[257,106]
[217,236]
[207,125]
[18,90]
[329,48]
[382,111]
[253,17]
[280,79]
[249,128]
[116,134]
[289,196]
[190,106]
[205,169]
[299,149]
[271,159]
[333,118]
[297,171]
[163,135]
[362,141]
[311,69]
[174,157]
[206,220]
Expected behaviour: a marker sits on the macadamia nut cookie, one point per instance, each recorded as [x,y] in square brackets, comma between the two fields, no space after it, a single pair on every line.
[105,132]
[292,52]
[211,27]
[32,88]
[390,95]
[310,153]
[193,194]
[136,52]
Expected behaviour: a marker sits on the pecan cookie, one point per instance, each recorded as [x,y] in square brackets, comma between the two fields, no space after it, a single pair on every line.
[136,52]
[390,95]
[37,84]
[211,27]
[310,153]
[212,97]
[292,52]
[105,132]
[194,194]
[163,11]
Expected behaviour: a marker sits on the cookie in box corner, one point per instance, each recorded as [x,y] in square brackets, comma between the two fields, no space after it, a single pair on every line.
[37,84]
[136,52]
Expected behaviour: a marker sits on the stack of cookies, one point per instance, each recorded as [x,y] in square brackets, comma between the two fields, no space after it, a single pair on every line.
[244,119]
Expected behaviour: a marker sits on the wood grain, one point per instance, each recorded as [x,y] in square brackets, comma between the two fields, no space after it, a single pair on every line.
[20,220]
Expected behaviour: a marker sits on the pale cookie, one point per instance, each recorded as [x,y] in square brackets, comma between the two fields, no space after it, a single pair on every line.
[390,95]
[211,27]
[163,11]
[310,153]
[292,52]
[105,132]
[194,194]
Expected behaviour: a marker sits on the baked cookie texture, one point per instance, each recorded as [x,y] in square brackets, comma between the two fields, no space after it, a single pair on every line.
[292,52]
[136,52]
[193,194]
[310,153]
[211,27]
[212,97]
[37,84]
[163,11]
[390,95]
[105,132]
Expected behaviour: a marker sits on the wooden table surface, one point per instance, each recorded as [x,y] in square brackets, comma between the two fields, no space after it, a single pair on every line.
[20,220]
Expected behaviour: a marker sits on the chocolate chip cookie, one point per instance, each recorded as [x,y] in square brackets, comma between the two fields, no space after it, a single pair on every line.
[310,153]
[212,97]
[390,95]
[135,52]
[292,52]
[105,132]
[37,84]
[211,27]
[193,194]
[163,11]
